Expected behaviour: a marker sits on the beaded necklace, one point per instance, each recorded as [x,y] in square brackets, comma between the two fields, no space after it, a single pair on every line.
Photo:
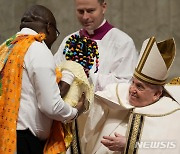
[83,50]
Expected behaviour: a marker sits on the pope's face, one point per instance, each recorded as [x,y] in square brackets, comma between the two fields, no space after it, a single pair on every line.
[141,93]
[90,13]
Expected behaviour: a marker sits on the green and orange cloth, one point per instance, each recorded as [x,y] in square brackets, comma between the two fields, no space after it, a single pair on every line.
[12,53]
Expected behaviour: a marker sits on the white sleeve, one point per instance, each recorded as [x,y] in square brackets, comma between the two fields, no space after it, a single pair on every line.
[58,56]
[67,77]
[42,75]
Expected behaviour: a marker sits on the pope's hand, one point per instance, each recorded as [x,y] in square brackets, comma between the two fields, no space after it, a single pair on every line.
[116,143]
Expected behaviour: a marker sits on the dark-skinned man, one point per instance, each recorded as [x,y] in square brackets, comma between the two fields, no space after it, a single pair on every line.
[30,97]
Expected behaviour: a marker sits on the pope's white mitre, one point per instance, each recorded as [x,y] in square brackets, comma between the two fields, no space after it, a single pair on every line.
[155,60]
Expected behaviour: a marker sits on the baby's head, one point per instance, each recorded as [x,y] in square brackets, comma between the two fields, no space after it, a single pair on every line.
[83,50]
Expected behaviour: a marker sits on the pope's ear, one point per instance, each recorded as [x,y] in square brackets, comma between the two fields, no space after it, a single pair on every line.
[158,94]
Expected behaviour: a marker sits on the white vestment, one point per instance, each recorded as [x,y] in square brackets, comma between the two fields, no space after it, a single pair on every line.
[155,127]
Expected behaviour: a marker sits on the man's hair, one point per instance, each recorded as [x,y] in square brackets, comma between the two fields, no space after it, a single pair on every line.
[157,87]
[101,1]
[37,13]
[153,86]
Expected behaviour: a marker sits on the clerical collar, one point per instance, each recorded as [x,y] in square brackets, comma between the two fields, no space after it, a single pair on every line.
[98,33]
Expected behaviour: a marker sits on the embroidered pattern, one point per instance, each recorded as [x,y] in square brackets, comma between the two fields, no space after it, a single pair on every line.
[134,133]
[175,81]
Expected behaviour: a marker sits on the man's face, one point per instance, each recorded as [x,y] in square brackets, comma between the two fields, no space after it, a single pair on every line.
[141,93]
[90,13]
[52,34]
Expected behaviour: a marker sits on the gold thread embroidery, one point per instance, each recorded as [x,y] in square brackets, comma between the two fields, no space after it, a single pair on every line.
[134,132]
[119,101]
[160,115]
[75,144]
[140,135]
[174,81]
[153,81]
[128,131]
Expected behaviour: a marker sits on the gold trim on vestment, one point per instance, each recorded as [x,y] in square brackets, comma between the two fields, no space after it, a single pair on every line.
[174,81]
[128,129]
[134,133]
[119,101]
[134,130]
[159,115]
[75,145]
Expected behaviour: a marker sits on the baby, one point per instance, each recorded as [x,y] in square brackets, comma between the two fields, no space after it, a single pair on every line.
[80,54]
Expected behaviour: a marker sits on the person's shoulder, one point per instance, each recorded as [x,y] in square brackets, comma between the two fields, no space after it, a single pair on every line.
[39,48]
[76,32]
[39,55]
[57,55]
[40,45]
[120,35]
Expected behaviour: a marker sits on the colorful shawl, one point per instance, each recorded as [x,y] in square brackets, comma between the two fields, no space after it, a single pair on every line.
[12,54]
